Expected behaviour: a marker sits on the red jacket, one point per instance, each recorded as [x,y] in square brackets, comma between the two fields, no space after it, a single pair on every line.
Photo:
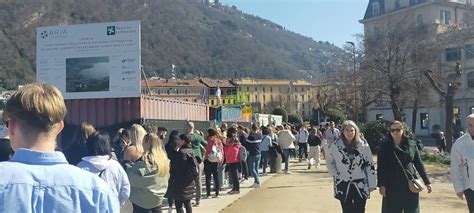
[231,151]
[211,142]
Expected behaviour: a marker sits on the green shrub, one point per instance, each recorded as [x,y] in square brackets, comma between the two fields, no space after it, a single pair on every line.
[374,132]
[438,158]
[295,119]
[336,115]
[282,112]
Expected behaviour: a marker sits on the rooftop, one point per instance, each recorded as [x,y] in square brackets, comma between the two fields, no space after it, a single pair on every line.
[173,83]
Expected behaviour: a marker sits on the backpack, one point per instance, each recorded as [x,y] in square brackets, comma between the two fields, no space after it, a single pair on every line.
[243,153]
[216,154]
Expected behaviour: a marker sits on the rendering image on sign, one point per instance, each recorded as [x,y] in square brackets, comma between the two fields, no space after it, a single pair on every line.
[87,74]
[87,61]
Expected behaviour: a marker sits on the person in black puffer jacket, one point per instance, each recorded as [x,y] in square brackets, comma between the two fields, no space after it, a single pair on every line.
[182,175]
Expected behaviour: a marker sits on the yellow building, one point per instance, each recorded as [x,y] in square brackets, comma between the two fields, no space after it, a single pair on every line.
[293,95]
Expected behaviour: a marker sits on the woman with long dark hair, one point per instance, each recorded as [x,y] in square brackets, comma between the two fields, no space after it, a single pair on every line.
[397,159]
[213,157]
[349,161]
[99,161]
[78,149]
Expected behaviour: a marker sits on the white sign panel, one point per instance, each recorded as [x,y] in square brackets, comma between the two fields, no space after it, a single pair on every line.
[90,60]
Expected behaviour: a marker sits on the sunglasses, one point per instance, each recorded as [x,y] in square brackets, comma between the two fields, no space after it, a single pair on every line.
[395,130]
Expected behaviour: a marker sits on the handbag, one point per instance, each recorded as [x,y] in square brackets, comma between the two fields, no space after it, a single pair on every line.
[414,184]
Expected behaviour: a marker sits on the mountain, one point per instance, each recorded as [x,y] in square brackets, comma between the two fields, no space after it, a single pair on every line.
[208,41]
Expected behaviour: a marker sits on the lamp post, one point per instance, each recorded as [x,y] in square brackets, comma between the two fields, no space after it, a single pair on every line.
[355,79]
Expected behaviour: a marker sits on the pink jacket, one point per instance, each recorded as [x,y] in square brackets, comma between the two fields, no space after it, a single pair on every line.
[210,142]
[231,152]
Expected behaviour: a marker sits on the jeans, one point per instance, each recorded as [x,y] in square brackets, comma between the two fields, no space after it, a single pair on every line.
[286,158]
[264,160]
[244,169]
[233,176]
[198,184]
[469,194]
[179,206]
[220,175]
[252,161]
[303,149]
[354,203]
[210,168]
[138,209]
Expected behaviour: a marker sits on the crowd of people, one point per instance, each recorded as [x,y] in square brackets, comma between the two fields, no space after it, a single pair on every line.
[144,166]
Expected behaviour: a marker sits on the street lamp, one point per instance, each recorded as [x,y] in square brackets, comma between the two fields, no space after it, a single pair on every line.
[355,79]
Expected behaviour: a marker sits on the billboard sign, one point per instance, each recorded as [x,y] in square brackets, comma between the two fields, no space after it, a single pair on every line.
[86,61]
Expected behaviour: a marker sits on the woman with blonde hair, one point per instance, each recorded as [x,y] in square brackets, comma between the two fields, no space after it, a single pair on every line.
[135,150]
[149,176]
[76,151]
[349,161]
[397,161]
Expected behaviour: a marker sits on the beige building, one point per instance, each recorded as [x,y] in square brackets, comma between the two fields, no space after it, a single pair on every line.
[183,90]
[431,18]
[294,96]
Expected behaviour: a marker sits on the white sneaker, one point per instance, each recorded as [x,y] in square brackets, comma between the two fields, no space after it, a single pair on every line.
[170,210]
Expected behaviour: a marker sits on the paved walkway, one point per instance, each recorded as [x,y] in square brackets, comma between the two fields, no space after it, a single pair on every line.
[312,191]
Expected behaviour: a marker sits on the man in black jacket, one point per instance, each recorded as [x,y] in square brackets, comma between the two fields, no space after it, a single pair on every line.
[253,147]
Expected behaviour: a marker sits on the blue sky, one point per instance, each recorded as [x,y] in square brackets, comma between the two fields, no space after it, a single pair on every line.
[335,21]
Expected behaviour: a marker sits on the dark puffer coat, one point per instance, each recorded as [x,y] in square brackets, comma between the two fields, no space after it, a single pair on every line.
[181,182]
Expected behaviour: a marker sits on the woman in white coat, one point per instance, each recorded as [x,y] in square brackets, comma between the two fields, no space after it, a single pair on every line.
[350,162]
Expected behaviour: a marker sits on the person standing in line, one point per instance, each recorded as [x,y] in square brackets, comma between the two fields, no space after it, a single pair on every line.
[99,161]
[213,157]
[231,151]
[462,161]
[170,151]
[149,176]
[161,132]
[265,148]
[37,177]
[314,142]
[397,160]
[122,142]
[222,174]
[198,144]
[135,150]
[78,149]
[349,161]
[253,147]
[184,170]
[286,142]
[243,135]
[441,142]
[303,135]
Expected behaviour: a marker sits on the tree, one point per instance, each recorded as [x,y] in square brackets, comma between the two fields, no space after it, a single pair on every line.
[282,112]
[448,95]
[390,63]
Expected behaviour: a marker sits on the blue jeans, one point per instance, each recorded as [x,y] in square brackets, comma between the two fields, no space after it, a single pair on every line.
[220,175]
[264,160]
[286,157]
[252,161]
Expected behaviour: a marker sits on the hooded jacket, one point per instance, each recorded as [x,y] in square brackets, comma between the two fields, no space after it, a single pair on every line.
[148,188]
[285,139]
[111,172]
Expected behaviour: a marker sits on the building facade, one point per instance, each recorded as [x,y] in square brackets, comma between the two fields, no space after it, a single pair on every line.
[293,95]
[182,90]
[433,18]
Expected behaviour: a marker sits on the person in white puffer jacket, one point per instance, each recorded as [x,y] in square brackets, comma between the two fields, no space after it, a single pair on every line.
[99,161]
[286,141]
[462,164]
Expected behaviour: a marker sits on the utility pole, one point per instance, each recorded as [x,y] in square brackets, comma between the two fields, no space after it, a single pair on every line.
[355,80]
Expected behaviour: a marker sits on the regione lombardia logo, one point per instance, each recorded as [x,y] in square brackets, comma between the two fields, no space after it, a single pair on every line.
[44,34]
[111,30]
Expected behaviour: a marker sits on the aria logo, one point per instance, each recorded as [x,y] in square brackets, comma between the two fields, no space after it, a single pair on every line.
[111,30]
[58,33]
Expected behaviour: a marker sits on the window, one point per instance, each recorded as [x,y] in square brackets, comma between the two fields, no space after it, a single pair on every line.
[271,89]
[309,97]
[248,89]
[263,89]
[424,120]
[453,54]
[419,20]
[255,89]
[264,98]
[397,4]
[445,17]
[379,117]
[302,97]
[376,8]
[413,2]
[470,51]
[255,98]
[470,79]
